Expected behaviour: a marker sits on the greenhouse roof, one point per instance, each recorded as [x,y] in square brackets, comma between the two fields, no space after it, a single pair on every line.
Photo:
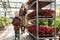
[9,6]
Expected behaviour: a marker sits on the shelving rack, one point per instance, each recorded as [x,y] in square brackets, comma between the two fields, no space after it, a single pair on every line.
[43,3]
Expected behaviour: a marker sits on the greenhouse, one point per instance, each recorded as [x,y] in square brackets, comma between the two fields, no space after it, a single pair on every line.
[29,19]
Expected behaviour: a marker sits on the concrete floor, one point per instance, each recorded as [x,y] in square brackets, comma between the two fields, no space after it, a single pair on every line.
[9,35]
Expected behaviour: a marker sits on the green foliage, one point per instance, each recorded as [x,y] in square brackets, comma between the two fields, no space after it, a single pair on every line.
[58,9]
[46,22]
[50,21]
[58,22]
[4,22]
[43,22]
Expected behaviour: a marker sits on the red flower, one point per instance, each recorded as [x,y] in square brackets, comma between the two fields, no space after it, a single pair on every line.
[42,30]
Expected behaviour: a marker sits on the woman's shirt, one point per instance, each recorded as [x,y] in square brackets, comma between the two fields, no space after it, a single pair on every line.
[22,12]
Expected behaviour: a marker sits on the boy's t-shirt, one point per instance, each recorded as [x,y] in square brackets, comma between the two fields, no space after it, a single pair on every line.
[16,18]
[16,21]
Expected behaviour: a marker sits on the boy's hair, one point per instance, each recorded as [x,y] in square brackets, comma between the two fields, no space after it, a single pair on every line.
[16,13]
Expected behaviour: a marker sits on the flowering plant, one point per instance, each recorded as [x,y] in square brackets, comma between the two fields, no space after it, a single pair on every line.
[48,12]
[45,12]
[42,30]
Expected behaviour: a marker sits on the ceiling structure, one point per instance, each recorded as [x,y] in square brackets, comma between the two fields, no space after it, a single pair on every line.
[7,7]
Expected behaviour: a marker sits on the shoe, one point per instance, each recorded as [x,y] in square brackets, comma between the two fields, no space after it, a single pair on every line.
[21,32]
[15,39]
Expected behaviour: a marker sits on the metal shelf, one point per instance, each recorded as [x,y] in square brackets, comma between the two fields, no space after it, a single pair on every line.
[32,35]
[36,3]
[31,5]
[47,0]
[42,17]
[47,38]
[41,37]
[39,18]
[40,2]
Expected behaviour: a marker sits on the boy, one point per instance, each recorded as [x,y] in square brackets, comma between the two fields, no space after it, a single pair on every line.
[16,23]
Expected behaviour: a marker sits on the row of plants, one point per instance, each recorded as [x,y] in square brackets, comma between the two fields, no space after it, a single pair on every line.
[42,22]
[4,21]
[42,30]
[45,12]
[45,28]
[48,22]
[58,23]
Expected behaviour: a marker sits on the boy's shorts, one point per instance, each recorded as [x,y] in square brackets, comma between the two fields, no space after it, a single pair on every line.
[17,30]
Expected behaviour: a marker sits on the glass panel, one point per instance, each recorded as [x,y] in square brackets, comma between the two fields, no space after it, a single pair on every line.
[13,4]
[1,9]
[18,0]
[4,0]
[0,3]
[18,4]
[14,10]
[1,13]
[8,9]
[57,0]
[0,6]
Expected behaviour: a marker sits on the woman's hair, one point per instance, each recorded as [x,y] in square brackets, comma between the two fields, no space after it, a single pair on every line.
[23,5]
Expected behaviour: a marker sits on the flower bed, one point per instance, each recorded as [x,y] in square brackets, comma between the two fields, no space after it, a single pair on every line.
[45,12]
[42,30]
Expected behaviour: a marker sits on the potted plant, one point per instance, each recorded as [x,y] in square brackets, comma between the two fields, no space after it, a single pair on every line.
[58,26]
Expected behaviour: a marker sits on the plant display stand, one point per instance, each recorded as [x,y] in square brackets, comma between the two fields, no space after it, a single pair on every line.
[41,26]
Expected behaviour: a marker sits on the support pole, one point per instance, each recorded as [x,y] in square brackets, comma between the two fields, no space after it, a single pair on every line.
[55,18]
[37,18]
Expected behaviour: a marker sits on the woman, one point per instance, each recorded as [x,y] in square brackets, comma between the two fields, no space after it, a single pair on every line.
[23,15]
